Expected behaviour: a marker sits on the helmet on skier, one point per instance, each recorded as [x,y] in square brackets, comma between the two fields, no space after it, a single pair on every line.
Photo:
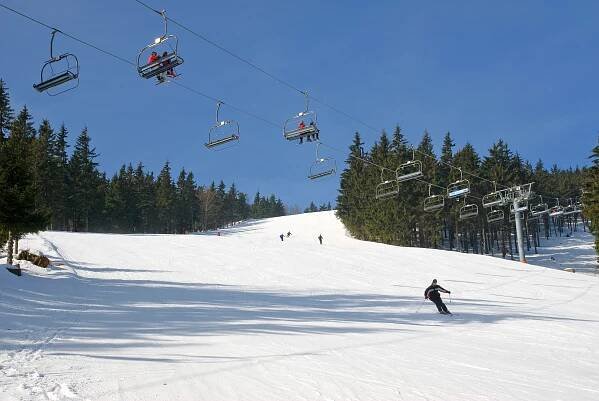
[434,281]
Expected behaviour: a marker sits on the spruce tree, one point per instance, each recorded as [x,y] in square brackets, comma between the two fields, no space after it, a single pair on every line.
[6,112]
[19,213]
[590,198]
[165,199]
[86,201]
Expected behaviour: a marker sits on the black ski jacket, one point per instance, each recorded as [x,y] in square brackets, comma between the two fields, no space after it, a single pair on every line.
[432,292]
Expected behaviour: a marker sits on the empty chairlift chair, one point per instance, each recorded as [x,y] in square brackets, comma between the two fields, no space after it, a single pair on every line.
[409,170]
[468,211]
[433,203]
[495,198]
[302,125]
[223,132]
[458,188]
[556,210]
[386,188]
[57,72]
[538,209]
[570,209]
[322,167]
[162,64]
[495,215]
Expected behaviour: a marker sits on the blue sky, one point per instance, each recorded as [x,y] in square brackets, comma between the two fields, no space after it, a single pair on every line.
[524,71]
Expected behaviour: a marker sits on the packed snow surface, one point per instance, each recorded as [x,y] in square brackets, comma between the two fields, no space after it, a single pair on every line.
[246,316]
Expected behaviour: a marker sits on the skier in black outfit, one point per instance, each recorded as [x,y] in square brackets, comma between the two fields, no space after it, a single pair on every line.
[281,236]
[432,293]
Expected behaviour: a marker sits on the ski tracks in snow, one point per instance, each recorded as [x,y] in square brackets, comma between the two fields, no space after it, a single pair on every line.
[24,368]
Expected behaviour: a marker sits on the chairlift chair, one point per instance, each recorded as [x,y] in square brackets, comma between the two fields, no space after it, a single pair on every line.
[322,167]
[433,202]
[57,71]
[556,210]
[468,211]
[539,209]
[303,124]
[148,69]
[386,188]
[570,209]
[222,132]
[409,170]
[494,198]
[495,215]
[458,188]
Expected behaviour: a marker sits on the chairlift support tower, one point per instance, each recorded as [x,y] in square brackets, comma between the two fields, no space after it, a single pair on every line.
[518,195]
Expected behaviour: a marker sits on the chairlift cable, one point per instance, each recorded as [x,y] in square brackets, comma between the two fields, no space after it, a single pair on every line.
[67,34]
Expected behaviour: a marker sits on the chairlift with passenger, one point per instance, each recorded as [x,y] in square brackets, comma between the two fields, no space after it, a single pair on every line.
[222,132]
[58,71]
[302,125]
[160,65]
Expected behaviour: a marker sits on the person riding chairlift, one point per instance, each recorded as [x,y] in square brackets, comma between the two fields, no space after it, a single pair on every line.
[301,126]
[171,71]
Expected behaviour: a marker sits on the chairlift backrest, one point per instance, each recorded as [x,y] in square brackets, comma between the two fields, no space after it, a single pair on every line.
[556,211]
[387,189]
[468,211]
[433,203]
[493,199]
[539,209]
[495,215]
[321,168]
[458,188]
[409,171]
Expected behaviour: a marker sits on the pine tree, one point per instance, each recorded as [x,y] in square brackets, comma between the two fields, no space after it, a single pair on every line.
[86,200]
[5,111]
[19,213]
[45,167]
[591,196]
[165,199]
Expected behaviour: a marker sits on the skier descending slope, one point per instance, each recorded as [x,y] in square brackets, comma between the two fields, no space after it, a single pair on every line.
[432,293]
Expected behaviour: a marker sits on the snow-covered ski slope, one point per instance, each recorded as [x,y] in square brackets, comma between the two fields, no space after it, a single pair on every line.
[244,316]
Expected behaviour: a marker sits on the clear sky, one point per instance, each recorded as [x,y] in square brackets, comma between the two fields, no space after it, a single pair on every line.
[524,71]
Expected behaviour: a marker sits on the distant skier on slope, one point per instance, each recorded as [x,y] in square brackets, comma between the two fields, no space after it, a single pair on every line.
[432,293]
[282,236]
[320,238]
